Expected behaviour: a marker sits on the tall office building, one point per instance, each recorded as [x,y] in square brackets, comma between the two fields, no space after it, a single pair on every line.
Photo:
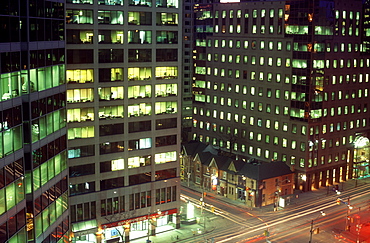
[33,141]
[123,99]
[286,80]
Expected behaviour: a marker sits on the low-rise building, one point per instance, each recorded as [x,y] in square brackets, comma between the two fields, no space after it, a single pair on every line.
[257,183]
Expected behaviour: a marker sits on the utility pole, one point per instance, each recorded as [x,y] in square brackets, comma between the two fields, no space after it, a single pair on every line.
[311,228]
[348,226]
[311,231]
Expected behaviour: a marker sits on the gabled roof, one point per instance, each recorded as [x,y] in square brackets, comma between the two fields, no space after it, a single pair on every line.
[205,158]
[223,162]
[194,147]
[209,156]
[264,170]
[213,163]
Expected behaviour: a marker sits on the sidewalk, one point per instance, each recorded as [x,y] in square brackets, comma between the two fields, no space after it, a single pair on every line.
[187,231]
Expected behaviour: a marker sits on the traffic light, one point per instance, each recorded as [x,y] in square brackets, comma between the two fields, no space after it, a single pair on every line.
[213,209]
[266,233]
[338,201]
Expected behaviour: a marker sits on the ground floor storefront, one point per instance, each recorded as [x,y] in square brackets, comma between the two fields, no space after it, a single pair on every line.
[127,229]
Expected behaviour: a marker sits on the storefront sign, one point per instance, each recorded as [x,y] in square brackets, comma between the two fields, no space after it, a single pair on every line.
[141,218]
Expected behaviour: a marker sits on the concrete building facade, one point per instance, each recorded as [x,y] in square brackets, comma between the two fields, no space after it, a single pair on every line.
[285,81]
[124,117]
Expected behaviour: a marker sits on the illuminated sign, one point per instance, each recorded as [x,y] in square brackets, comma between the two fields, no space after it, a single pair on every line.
[141,218]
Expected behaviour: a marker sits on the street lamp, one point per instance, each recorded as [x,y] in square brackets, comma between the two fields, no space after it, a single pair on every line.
[276,205]
[311,229]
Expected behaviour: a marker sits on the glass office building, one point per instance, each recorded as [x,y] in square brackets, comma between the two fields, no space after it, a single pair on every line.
[33,133]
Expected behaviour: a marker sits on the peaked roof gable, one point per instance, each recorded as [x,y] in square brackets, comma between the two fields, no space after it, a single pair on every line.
[213,163]
[232,167]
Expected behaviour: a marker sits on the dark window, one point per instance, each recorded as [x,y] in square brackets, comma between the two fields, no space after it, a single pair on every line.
[21,219]
[82,188]
[4,234]
[139,55]
[165,123]
[12,225]
[104,74]
[111,183]
[110,55]
[111,129]
[166,55]
[165,174]
[81,170]
[114,147]
[165,140]
[105,166]
[80,56]
[82,151]
[139,178]
[139,126]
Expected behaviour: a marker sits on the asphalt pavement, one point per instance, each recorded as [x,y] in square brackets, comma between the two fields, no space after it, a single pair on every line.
[192,231]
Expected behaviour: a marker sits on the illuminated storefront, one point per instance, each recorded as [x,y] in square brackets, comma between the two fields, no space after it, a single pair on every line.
[361,157]
[137,227]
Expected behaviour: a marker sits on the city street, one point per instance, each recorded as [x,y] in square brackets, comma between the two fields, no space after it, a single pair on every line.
[237,223]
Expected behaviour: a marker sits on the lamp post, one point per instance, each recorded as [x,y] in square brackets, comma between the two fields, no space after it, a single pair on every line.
[349,207]
[311,229]
[276,206]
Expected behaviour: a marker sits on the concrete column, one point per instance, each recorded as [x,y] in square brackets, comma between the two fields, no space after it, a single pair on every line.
[178,221]
[350,164]
[127,233]
[324,174]
[344,173]
[153,226]
[336,176]
[330,180]
[317,180]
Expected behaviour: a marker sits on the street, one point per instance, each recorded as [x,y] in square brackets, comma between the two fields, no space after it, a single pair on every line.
[320,218]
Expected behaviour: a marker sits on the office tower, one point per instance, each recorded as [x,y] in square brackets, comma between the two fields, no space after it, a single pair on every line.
[286,80]
[33,151]
[187,67]
[123,113]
